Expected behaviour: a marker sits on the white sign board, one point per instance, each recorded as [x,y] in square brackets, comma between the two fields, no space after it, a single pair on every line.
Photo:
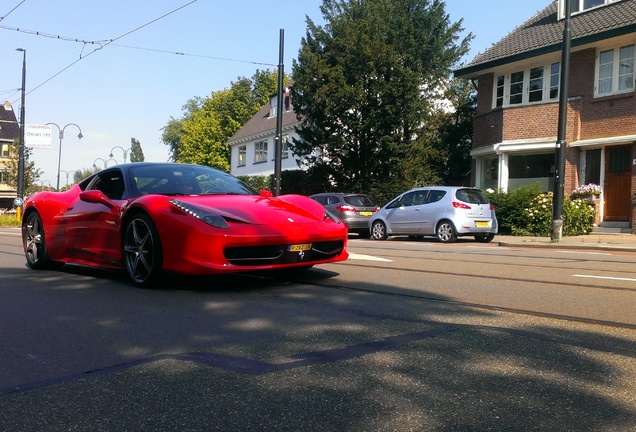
[37,136]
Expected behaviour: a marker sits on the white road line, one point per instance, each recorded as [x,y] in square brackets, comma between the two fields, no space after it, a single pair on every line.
[361,257]
[582,252]
[604,277]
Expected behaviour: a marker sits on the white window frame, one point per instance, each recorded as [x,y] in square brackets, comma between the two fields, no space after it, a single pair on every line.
[260,152]
[580,6]
[549,82]
[242,155]
[615,72]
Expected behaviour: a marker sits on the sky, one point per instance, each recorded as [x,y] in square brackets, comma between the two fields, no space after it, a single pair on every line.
[121,69]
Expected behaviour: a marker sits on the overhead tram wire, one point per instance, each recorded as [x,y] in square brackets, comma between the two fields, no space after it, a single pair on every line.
[101,44]
[14,8]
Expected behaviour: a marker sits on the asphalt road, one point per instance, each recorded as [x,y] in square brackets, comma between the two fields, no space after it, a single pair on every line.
[403,336]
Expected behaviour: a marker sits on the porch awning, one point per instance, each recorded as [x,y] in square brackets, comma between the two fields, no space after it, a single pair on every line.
[625,139]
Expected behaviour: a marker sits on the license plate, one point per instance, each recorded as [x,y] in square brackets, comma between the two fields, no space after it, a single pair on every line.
[300,247]
[482,224]
[363,213]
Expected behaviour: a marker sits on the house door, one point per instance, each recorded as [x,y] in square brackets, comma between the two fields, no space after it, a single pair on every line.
[618,176]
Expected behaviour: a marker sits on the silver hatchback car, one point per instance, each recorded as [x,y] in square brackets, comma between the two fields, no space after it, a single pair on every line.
[442,211]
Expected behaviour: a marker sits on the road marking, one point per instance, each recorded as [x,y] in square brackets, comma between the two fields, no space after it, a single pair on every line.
[605,277]
[583,252]
[361,257]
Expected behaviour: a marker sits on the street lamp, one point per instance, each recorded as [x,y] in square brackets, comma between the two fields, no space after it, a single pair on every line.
[103,161]
[67,174]
[111,159]
[21,147]
[59,156]
[42,183]
[122,149]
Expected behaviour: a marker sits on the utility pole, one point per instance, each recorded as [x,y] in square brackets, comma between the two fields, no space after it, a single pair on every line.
[21,147]
[278,141]
[559,160]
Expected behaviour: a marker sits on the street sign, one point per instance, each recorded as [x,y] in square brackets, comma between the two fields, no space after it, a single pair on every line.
[37,136]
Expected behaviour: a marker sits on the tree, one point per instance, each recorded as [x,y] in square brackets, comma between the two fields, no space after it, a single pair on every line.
[31,173]
[173,131]
[81,174]
[136,153]
[451,131]
[200,136]
[365,86]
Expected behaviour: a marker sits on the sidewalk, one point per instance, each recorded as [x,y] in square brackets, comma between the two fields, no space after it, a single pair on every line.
[609,242]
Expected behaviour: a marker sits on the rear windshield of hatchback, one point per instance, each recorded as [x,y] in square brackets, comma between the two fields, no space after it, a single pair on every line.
[359,200]
[471,196]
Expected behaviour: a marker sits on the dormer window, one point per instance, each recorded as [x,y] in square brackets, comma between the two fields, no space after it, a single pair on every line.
[577,6]
[273,104]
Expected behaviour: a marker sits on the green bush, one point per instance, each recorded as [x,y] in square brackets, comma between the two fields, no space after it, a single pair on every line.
[510,208]
[527,211]
[9,220]
[578,216]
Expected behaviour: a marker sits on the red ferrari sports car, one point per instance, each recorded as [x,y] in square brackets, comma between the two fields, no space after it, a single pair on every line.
[151,218]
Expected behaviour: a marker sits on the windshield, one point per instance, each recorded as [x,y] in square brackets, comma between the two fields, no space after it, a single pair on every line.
[181,179]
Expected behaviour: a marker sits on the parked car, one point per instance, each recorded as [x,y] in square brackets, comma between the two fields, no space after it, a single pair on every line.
[441,211]
[153,218]
[354,210]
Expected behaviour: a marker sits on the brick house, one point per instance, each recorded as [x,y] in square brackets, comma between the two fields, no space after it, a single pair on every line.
[515,127]
[9,132]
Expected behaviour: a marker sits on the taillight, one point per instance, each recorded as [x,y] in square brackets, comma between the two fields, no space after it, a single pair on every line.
[459,205]
[346,208]
[492,207]
[377,209]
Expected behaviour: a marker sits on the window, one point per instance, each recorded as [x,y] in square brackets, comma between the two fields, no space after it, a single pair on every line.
[273,104]
[536,85]
[615,71]
[555,77]
[528,169]
[5,151]
[516,88]
[260,152]
[489,172]
[242,154]
[285,148]
[577,6]
[499,91]
[593,166]
[4,176]
[532,85]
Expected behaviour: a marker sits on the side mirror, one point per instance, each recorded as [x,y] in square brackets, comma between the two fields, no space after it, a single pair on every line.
[266,193]
[97,197]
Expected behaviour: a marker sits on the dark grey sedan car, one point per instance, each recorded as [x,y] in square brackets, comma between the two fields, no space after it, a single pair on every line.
[355,210]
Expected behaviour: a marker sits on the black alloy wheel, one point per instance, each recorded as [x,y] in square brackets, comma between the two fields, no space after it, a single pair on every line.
[142,251]
[34,242]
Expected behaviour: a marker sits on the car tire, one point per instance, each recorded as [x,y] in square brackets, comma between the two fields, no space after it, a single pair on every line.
[484,238]
[142,254]
[34,242]
[446,232]
[378,231]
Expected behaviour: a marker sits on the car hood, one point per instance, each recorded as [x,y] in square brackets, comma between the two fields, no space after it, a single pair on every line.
[257,209]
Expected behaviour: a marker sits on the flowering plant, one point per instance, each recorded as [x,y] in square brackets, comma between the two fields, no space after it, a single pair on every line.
[588,189]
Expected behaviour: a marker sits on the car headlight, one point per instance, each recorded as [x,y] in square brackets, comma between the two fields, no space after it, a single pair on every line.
[209,218]
[329,215]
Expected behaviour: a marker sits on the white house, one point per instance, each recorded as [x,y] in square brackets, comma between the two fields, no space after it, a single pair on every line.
[252,147]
